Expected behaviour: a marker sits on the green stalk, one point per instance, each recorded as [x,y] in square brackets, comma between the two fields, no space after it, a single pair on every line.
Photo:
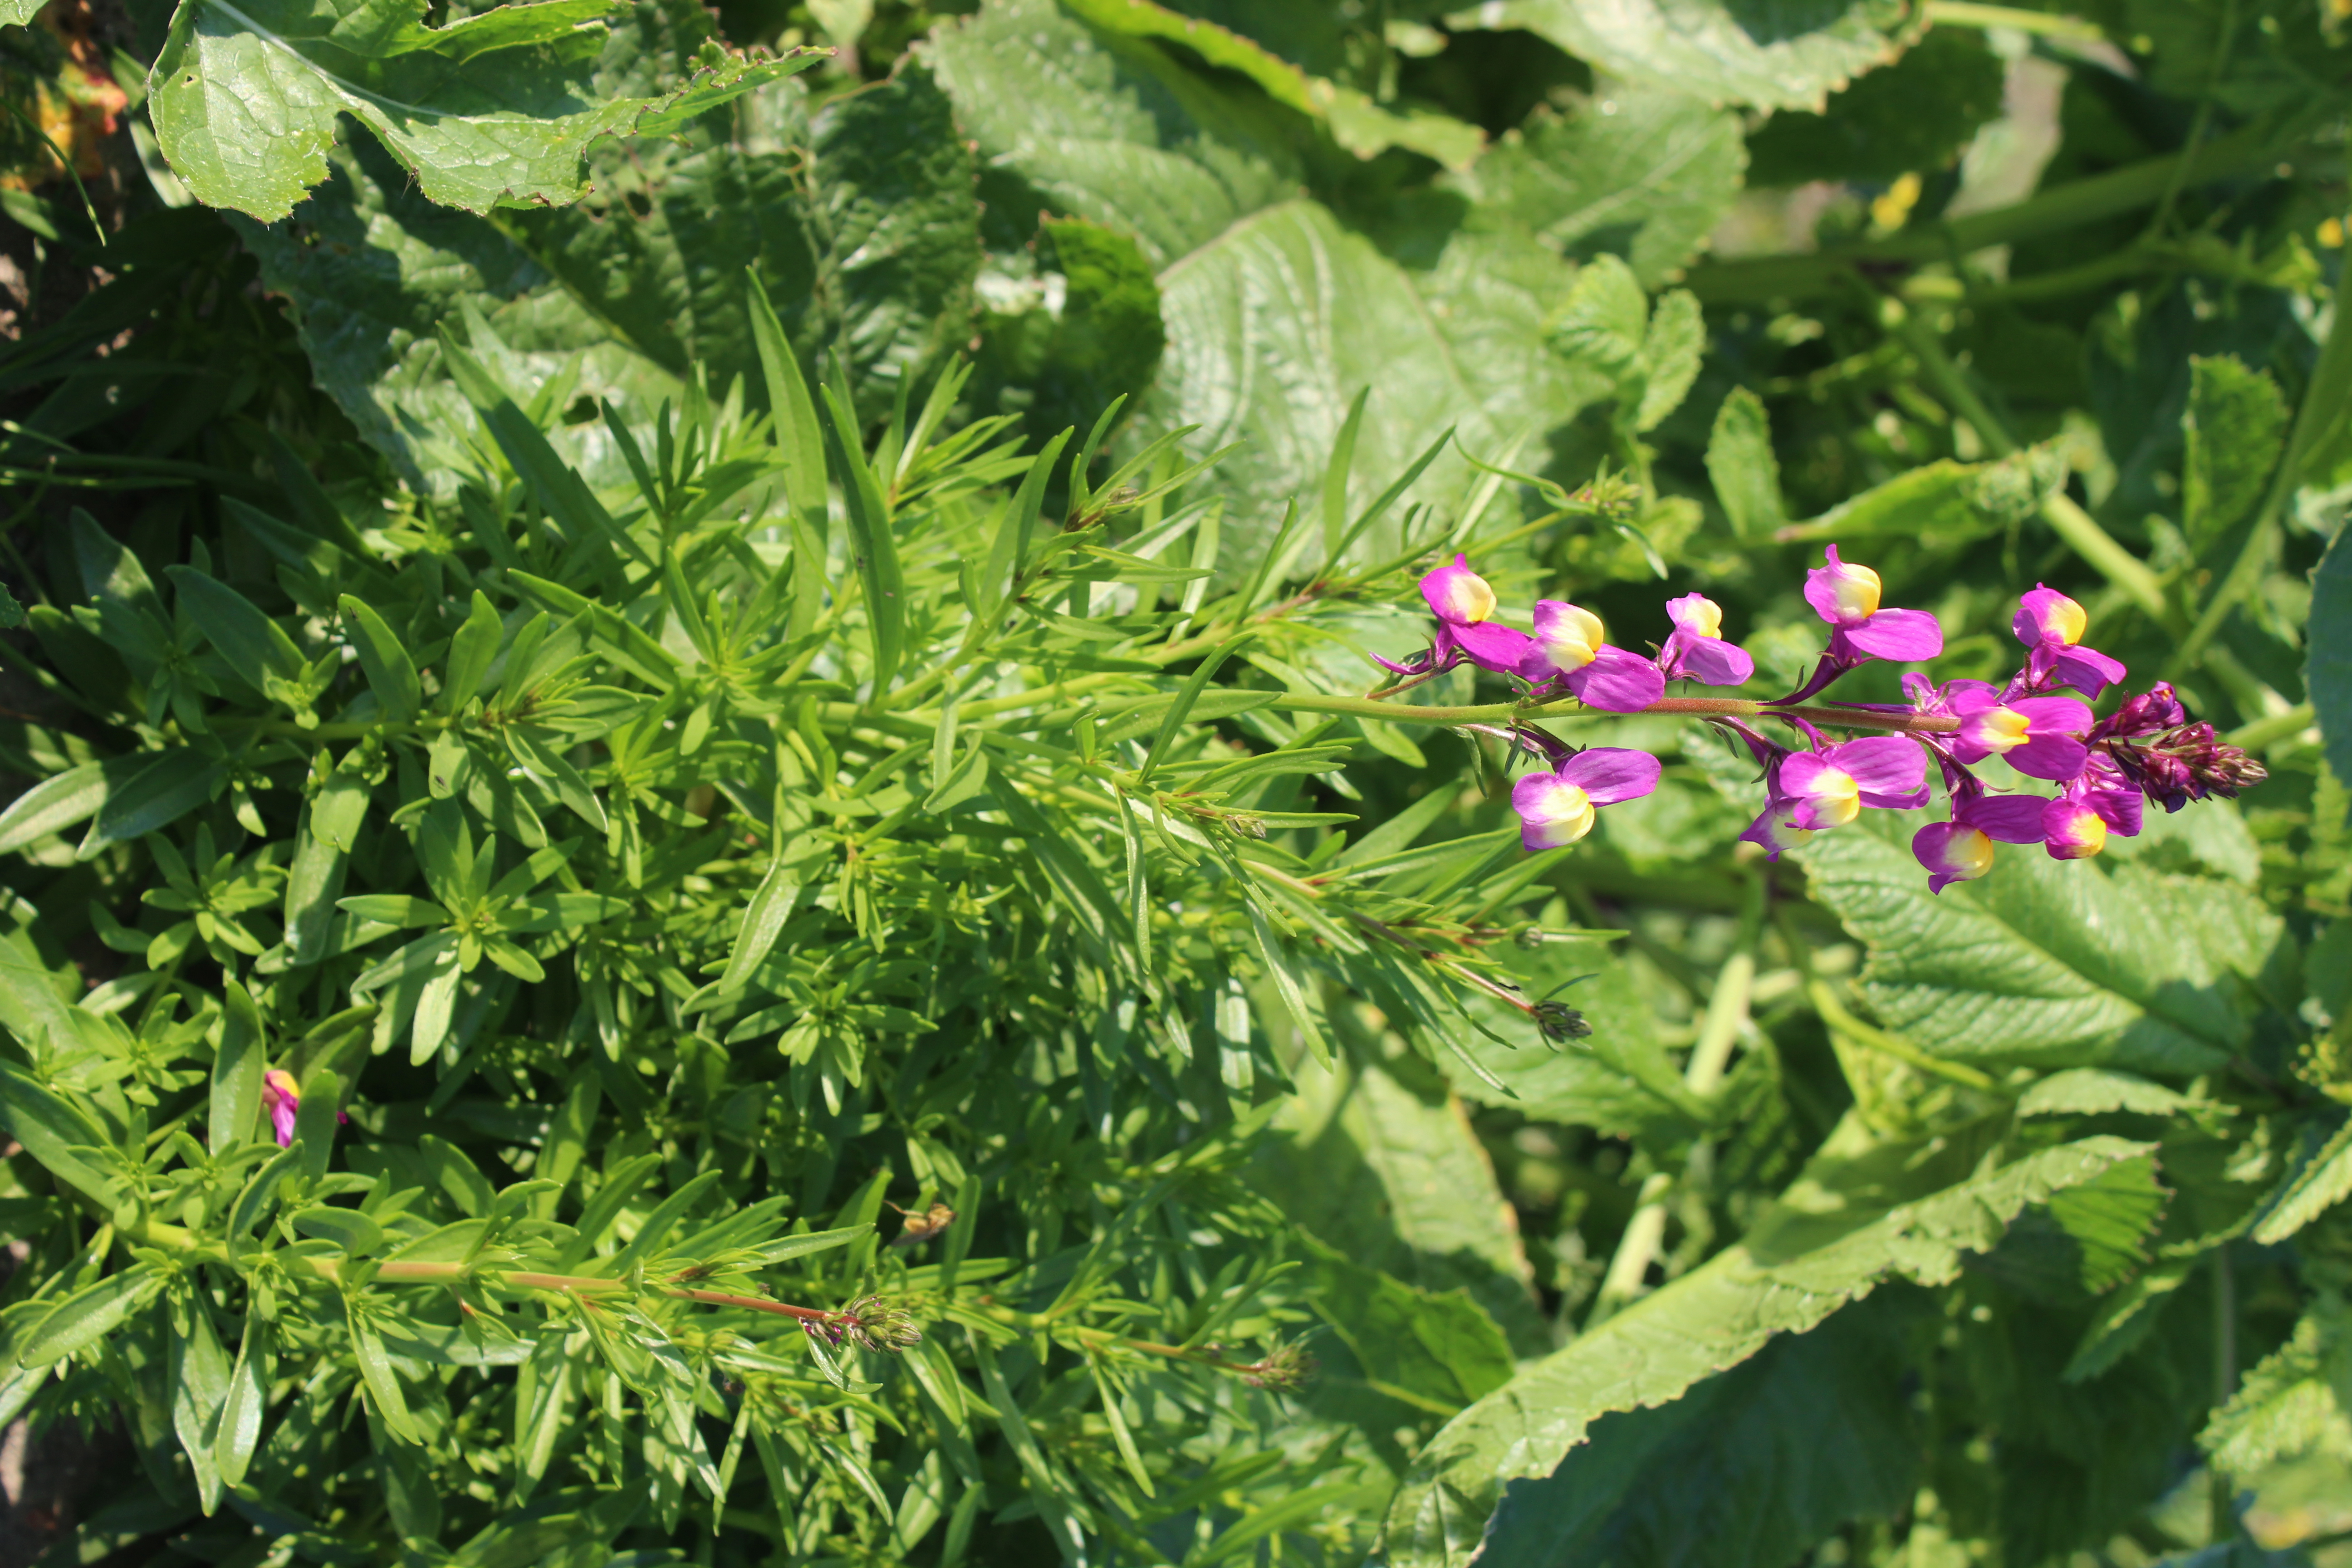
[1968,14]
[1767,279]
[2324,403]
[2069,521]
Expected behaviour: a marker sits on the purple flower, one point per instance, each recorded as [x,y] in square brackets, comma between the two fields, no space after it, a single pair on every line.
[1828,788]
[1486,645]
[282,1098]
[2051,626]
[1847,597]
[2041,737]
[1695,650]
[1463,602]
[1555,809]
[1961,850]
[1775,827]
[1567,647]
[284,1101]
[2073,829]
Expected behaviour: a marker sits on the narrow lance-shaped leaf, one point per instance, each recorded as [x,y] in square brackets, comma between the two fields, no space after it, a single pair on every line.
[383,659]
[237,1065]
[874,550]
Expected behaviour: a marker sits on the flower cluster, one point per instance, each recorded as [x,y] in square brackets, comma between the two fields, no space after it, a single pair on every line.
[2041,722]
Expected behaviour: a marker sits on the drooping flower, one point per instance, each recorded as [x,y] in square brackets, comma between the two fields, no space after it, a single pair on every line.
[1775,827]
[2100,801]
[2051,626]
[1462,603]
[1828,788]
[1952,852]
[1696,649]
[1846,596]
[1568,649]
[1557,808]
[1961,850]
[2041,737]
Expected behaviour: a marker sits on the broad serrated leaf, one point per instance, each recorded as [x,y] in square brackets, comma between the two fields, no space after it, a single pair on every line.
[2296,1400]
[1640,172]
[2110,1218]
[2047,963]
[2235,426]
[1913,116]
[1861,1215]
[1715,50]
[1275,323]
[1718,1479]
[494,109]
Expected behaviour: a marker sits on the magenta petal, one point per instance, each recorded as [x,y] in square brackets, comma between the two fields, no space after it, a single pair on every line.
[2054,715]
[1967,697]
[1775,829]
[2087,670]
[282,1121]
[1799,770]
[2119,809]
[2058,758]
[1932,847]
[1616,681]
[1611,773]
[2010,818]
[1716,662]
[1897,635]
[1494,647]
[1880,765]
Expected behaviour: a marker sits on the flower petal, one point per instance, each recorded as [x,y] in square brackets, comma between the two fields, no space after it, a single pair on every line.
[1879,766]
[1952,852]
[1493,646]
[2087,670]
[1897,635]
[1458,595]
[1714,661]
[1616,681]
[2058,758]
[1697,615]
[1841,594]
[1553,811]
[2054,715]
[1609,775]
[2047,616]
[2010,818]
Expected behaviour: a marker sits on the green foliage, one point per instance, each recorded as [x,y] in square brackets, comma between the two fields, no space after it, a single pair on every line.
[494,109]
